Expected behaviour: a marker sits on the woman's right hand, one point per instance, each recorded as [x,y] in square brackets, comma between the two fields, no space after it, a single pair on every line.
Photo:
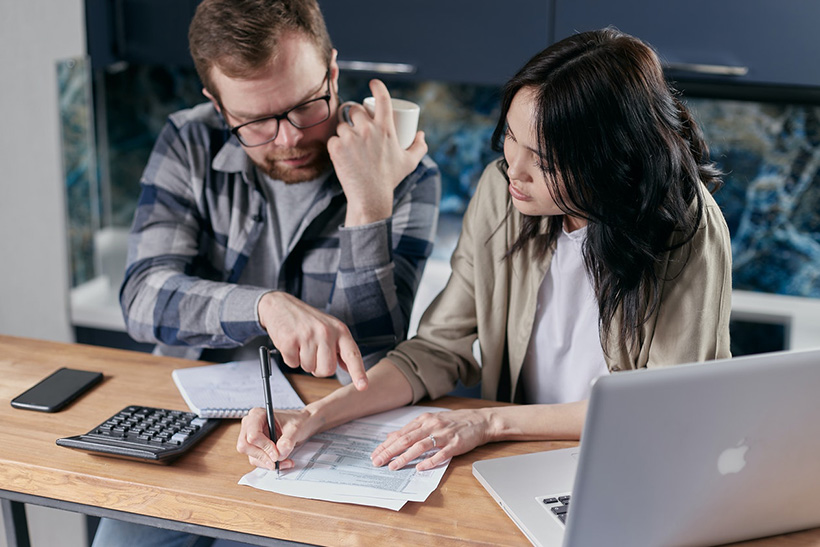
[389,389]
[254,441]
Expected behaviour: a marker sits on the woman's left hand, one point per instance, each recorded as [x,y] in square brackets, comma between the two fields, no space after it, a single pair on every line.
[450,433]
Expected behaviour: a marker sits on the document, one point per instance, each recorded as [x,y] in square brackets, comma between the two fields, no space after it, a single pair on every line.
[335,466]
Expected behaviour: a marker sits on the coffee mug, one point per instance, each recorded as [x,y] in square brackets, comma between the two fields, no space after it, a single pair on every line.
[405,118]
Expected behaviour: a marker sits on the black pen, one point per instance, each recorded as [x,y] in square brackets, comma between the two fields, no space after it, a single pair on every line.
[264,363]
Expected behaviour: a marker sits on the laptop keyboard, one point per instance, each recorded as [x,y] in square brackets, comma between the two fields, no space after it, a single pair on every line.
[557,506]
[143,433]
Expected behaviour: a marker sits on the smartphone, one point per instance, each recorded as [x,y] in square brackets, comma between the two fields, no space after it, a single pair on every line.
[57,390]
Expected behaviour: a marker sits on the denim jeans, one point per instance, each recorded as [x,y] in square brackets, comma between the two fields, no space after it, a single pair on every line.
[117,533]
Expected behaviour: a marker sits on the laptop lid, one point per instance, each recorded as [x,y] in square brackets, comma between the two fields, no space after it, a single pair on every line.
[696,454]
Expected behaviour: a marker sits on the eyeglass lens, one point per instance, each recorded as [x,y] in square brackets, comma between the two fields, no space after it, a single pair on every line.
[303,116]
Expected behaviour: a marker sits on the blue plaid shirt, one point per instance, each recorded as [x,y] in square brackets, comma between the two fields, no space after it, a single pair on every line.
[199,216]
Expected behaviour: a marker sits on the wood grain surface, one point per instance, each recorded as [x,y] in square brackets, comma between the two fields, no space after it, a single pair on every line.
[202,486]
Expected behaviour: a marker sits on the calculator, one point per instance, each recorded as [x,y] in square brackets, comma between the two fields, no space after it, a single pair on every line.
[143,433]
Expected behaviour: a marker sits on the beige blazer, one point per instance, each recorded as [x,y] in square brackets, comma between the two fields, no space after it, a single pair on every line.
[493,299]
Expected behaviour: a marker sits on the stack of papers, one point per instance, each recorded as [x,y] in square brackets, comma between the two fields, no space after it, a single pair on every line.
[335,466]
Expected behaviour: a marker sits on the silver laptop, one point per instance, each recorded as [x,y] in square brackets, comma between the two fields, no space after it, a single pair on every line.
[697,454]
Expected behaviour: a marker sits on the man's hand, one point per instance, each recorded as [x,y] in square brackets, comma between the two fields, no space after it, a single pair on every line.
[310,339]
[369,161]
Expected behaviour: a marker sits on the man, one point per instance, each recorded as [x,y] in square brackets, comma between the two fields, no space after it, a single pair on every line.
[261,216]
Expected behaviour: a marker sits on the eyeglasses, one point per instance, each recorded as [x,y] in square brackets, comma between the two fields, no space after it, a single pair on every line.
[301,116]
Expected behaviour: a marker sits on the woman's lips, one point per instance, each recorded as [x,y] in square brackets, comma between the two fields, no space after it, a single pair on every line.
[518,194]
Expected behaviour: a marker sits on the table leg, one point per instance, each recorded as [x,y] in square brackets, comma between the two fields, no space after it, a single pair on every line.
[91,524]
[14,521]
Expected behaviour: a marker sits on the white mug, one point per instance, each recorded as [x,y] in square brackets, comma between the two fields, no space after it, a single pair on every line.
[405,118]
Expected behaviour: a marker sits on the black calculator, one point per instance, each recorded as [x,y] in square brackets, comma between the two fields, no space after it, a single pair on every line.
[143,433]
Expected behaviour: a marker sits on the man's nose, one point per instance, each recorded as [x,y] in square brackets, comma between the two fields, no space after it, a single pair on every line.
[288,134]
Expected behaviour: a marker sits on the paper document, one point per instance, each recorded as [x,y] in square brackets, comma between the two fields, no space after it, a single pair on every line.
[230,390]
[335,466]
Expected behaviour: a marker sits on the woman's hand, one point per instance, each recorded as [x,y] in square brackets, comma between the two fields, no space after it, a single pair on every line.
[455,432]
[389,389]
[293,428]
[459,431]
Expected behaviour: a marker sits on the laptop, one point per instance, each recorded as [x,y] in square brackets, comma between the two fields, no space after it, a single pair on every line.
[696,454]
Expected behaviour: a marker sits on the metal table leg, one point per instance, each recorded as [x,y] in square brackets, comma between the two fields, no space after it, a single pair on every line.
[15,523]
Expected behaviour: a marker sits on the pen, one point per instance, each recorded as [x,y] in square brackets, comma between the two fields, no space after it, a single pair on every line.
[264,363]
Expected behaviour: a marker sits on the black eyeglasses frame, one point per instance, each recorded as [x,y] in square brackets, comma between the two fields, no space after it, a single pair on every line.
[283,116]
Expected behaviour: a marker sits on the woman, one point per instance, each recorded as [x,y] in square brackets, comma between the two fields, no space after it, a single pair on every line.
[593,246]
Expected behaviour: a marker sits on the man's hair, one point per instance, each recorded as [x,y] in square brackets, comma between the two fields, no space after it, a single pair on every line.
[240,37]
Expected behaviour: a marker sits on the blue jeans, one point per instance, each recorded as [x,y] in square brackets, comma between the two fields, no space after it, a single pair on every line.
[117,533]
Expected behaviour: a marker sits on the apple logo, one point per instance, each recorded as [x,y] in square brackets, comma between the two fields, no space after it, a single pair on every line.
[732,460]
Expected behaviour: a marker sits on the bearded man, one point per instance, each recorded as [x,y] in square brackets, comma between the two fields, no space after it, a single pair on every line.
[264,219]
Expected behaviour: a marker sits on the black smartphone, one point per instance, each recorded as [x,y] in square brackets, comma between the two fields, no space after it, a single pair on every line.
[55,391]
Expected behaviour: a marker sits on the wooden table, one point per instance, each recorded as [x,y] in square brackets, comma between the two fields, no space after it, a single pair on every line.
[199,492]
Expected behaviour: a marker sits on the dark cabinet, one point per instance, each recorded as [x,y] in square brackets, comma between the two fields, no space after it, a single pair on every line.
[471,41]
[770,42]
[139,31]
[484,41]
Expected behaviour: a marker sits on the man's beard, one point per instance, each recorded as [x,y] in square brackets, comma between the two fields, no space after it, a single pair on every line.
[292,175]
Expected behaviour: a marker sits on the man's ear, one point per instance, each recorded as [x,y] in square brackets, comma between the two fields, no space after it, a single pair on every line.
[334,71]
[212,99]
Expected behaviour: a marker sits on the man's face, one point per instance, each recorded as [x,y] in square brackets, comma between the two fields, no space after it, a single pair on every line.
[296,75]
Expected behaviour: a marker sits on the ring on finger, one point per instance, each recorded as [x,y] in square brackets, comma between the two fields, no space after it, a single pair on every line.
[433,440]
[346,114]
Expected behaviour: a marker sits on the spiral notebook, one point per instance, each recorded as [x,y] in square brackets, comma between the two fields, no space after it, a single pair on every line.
[230,390]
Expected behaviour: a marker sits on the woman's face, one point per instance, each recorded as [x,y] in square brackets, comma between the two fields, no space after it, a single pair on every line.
[529,188]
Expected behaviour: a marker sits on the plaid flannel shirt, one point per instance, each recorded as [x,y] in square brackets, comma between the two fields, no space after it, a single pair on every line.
[199,216]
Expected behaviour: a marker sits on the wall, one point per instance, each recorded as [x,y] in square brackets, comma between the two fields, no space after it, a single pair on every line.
[34,279]
[34,276]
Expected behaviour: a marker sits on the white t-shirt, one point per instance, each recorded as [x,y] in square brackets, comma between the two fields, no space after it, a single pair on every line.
[565,354]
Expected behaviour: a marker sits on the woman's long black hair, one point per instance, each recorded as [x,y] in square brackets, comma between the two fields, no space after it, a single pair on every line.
[628,157]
